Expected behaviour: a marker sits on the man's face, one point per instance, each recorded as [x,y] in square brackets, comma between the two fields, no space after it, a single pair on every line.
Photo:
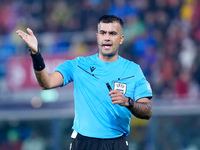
[109,37]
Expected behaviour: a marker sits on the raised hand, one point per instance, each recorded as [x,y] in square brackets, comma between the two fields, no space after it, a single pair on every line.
[29,39]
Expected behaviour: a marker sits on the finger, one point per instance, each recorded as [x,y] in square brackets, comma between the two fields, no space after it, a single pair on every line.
[23,36]
[116,98]
[116,102]
[30,32]
[114,95]
[20,32]
[113,92]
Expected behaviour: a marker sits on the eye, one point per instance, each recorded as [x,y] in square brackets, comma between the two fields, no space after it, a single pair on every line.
[113,33]
[102,32]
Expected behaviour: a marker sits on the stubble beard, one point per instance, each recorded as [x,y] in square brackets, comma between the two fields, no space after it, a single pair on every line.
[109,54]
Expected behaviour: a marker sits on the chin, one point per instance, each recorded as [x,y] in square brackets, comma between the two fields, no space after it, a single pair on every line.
[108,54]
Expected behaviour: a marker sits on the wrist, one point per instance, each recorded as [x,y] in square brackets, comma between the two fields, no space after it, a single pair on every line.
[126,102]
[38,62]
[130,102]
[33,53]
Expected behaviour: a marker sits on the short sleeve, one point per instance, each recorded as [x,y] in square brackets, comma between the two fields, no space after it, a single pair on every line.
[66,69]
[142,87]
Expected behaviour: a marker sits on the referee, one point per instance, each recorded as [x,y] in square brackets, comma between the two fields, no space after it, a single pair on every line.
[108,89]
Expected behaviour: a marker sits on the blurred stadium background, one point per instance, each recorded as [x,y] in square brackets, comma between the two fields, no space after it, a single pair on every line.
[163,36]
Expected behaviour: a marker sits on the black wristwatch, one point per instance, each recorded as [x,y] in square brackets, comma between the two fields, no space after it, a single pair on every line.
[131,102]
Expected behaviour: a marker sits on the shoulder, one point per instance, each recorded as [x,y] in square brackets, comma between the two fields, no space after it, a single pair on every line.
[129,64]
[77,61]
[82,59]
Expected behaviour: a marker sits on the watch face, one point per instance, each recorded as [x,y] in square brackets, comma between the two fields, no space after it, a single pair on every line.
[131,102]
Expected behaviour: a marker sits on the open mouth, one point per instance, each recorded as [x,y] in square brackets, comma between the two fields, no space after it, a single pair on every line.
[107,46]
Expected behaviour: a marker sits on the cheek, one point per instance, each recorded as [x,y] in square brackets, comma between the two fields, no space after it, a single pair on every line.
[98,39]
[118,41]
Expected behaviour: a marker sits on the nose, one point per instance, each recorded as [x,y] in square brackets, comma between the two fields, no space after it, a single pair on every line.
[107,37]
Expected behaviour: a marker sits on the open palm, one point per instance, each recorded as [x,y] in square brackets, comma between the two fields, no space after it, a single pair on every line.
[29,39]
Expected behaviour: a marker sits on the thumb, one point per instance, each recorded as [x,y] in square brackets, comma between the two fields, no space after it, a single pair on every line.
[30,32]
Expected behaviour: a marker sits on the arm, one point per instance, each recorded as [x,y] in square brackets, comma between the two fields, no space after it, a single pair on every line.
[141,109]
[45,80]
[49,81]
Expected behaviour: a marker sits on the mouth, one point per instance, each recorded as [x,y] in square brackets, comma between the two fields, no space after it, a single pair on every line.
[107,46]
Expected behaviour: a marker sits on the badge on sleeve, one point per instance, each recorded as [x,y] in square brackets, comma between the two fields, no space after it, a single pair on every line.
[120,86]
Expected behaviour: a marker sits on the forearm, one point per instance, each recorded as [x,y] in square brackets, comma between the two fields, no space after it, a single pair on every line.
[142,110]
[40,70]
[43,79]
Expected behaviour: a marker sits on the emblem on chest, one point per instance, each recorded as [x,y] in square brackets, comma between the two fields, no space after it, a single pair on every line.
[120,86]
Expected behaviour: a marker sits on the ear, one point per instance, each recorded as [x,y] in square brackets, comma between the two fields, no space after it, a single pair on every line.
[122,39]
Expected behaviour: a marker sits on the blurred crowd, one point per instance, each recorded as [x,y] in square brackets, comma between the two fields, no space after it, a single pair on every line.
[163,37]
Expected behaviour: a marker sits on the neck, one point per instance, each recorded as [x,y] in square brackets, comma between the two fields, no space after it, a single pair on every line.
[107,58]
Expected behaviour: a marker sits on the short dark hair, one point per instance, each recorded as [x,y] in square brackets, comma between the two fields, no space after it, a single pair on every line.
[111,19]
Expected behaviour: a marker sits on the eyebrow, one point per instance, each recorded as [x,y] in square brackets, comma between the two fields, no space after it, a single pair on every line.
[102,31]
[110,32]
